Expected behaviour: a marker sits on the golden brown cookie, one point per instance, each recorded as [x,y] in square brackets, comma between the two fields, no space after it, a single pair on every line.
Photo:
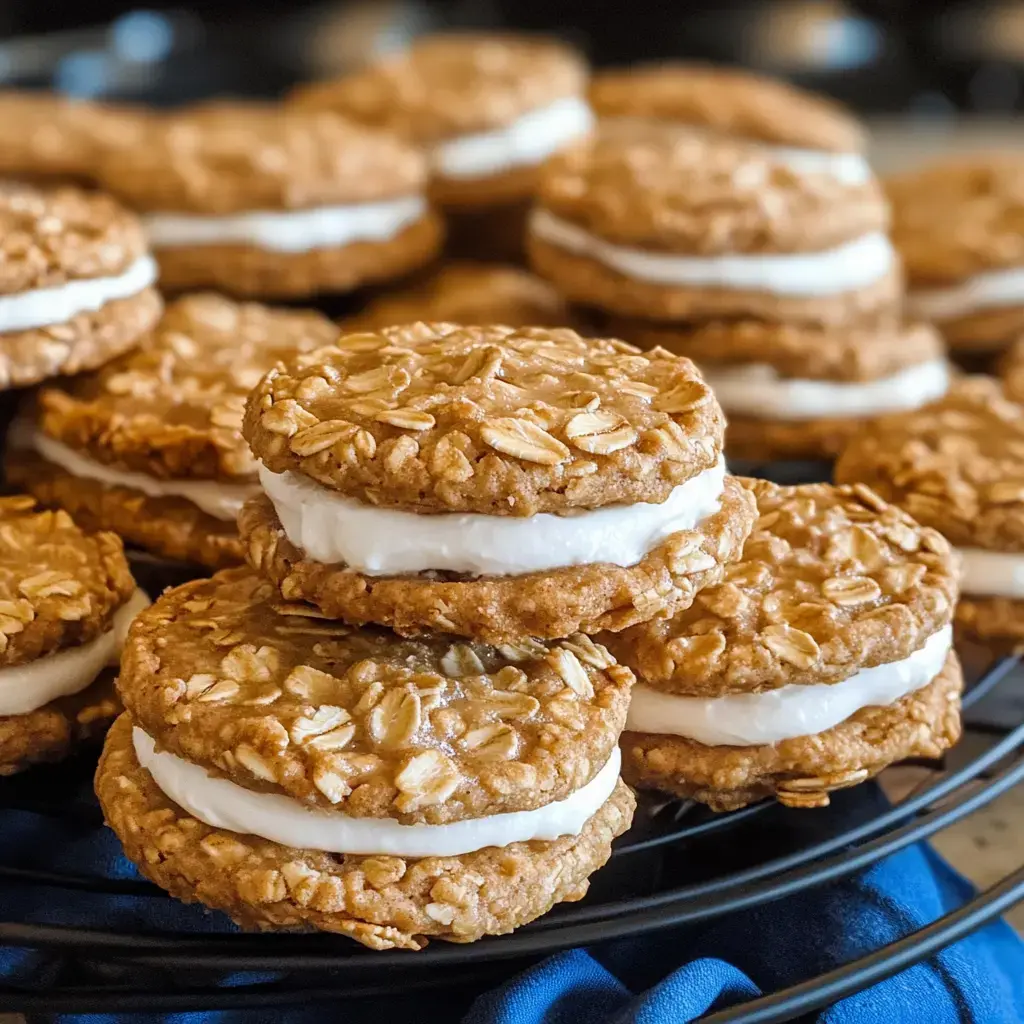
[48,138]
[468,293]
[275,697]
[1011,370]
[151,446]
[75,283]
[794,391]
[727,101]
[959,468]
[65,599]
[266,202]
[958,227]
[670,225]
[828,633]
[384,902]
[490,482]
[801,772]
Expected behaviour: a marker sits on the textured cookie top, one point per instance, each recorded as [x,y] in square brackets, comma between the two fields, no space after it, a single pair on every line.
[729,102]
[442,418]
[957,466]
[224,674]
[469,293]
[219,163]
[48,238]
[50,136]
[832,580]
[59,587]
[860,352]
[680,192]
[959,218]
[174,406]
[1011,371]
[450,85]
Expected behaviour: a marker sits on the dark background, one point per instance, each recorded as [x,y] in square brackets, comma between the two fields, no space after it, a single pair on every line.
[922,57]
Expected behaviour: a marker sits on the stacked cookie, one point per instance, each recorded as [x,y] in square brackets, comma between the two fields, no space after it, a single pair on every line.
[150,446]
[959,468]
[779,281]
[488,108]
[492,495]
[825,656]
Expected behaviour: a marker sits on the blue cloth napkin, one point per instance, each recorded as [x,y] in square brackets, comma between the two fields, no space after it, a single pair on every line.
[666,978]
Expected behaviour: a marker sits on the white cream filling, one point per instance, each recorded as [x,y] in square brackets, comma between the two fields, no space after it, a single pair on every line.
[849,267]
[24,688]
[220,500]
[331,528]
[288,230]
[985,291]
[525,142]
[755,719]
[991,573]
[221,803]
[757,390]
[46,306]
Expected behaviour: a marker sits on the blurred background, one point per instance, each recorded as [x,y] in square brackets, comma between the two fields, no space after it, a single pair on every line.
[927,73]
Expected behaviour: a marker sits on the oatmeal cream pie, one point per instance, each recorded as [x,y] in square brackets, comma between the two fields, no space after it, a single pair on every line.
[75,283]
[296,773]
[670,225]
[66,599]
[798,128]
[151,446]
[490,482]
[283,204]
[959,228]
[825,656]
[463,292]
[793,391]
[958,466]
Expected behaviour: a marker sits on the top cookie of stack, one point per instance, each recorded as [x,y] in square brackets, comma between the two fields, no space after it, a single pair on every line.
[681,234]
[490,482]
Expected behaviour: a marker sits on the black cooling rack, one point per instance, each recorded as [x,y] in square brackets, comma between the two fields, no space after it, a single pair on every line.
[108,970]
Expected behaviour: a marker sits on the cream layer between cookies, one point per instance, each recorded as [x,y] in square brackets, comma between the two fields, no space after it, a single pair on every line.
[44,307]
[25,688]
[334,529]
[754,719]
[525,142]
[846,268]
[757,390]
[222,500]
[221,803]
[991,573]
[290,231]
[991,290]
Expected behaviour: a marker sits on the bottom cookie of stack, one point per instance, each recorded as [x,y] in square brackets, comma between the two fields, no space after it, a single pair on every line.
[824,657]
[298,774]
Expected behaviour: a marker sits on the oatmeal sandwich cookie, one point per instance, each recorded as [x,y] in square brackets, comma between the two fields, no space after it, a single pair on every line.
[275,204]
[463,292]
[675,226]
[75,283]
[66,599]
[489,109]
[959,228]
[490,482]
[151,446]
[824,657]
[802,392]
[959,467]
[299,774]
[798,128]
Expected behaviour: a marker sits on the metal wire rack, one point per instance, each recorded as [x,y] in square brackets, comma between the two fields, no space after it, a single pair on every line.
[141,970]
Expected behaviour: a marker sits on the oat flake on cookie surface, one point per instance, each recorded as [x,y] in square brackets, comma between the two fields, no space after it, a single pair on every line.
[273,695]
[831,580]
[443,418]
